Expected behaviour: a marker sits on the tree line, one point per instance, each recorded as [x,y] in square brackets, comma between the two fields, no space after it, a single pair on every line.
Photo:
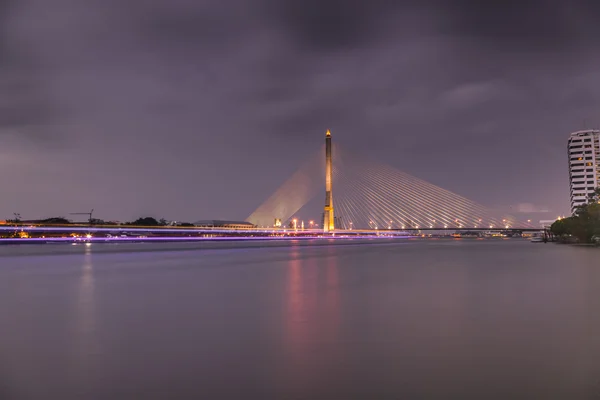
[584,224]
[143,221]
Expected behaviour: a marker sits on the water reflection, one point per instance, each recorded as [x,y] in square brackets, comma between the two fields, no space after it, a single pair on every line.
[84,329]
[312,318]
[332,294]
[298,309]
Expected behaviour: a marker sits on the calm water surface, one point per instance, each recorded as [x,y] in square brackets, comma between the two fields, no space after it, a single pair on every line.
[401,320]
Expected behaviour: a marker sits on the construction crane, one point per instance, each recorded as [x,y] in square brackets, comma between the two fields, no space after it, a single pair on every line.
[89,214]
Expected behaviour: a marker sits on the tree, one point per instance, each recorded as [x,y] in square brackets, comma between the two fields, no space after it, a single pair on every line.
[594,197]
[55,220]
[560,228]
[145,221]
[15,220]
[585,222]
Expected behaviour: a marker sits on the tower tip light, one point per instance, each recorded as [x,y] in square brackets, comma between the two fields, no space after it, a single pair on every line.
[328,133]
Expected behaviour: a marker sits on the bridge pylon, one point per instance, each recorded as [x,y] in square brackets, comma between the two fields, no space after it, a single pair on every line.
[328,220]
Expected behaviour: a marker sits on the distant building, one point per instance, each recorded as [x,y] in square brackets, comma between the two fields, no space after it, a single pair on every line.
[214,223]
[545,224]
[584,165]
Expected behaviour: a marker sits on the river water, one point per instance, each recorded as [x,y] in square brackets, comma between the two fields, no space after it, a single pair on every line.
[398,319]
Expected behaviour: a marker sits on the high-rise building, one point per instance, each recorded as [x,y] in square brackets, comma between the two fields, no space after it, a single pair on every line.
[584,165]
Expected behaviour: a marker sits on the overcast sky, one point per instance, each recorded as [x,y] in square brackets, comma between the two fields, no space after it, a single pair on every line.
[192,109]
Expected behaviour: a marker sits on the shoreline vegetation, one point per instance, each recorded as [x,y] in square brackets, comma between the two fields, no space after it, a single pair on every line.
[144,221]
[583,227]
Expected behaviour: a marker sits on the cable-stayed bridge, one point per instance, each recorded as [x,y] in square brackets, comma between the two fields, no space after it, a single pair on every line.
[369,195]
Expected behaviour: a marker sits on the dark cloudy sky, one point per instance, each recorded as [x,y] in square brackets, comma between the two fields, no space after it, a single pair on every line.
[194,109]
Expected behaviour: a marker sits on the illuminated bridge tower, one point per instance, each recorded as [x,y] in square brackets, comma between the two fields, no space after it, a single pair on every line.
[328,220]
